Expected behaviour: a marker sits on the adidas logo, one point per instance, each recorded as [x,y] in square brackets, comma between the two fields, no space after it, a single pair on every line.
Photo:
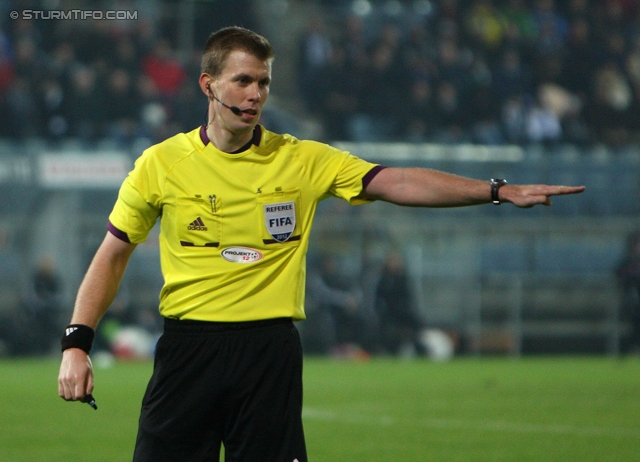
[70,330]
[197,225]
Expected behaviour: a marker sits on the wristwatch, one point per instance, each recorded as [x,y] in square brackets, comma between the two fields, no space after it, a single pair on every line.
[496,184]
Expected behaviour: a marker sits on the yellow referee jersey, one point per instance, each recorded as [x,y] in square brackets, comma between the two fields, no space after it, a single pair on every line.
[234,227]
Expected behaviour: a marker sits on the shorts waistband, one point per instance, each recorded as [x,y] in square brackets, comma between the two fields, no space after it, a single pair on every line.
[191,326]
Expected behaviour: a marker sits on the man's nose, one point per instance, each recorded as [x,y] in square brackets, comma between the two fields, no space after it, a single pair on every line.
[255,93]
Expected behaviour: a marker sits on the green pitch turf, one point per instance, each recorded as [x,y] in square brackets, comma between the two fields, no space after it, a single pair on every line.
[494,409]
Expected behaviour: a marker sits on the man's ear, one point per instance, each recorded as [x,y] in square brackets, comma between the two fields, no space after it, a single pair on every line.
[205,82]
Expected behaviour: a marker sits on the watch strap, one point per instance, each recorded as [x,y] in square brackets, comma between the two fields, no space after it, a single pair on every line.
[496,184]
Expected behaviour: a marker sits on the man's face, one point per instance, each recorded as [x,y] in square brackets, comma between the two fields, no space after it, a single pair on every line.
[244,83]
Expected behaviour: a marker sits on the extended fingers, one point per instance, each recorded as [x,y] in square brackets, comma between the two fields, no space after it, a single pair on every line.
[543,192]
[557,190]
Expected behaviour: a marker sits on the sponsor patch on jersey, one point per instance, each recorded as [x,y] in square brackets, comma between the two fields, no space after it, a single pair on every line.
[280,220]
[241,255]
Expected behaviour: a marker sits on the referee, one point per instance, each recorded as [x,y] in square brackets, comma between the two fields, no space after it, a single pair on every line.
[236,203]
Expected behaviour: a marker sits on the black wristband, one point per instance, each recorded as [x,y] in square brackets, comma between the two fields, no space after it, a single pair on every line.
[78,336]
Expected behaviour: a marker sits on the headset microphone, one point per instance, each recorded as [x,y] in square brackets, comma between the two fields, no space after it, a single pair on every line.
[235,109]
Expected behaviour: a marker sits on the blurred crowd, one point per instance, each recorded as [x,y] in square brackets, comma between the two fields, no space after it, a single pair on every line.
[61,79]
[93,80]
[480,71]
[444,71]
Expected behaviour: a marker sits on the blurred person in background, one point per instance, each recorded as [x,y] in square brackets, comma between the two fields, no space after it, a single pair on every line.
[609,108]
[511,78]
[378,119]
[420,101]
[332,310]
[450,115]
[121,107]
[236,204]
[21,96]
[342,100]
[343,300]
[84,99]
[399,324]
[346,70]
[126,57]
[628,274]
[44,306]
[520,28]
[314,57]
[164,69]
[7,76]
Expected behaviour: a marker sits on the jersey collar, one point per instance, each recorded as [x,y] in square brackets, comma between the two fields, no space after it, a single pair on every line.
[255,139]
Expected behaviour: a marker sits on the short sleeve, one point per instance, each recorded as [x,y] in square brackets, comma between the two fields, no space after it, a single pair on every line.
[132,214]
[348,183]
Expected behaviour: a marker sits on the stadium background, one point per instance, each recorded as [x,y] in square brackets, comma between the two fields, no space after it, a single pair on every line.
[527,90]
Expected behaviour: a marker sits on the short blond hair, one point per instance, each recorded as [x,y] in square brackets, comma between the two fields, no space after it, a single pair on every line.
[224,41]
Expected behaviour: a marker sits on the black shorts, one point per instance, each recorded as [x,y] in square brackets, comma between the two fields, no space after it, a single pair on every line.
[237,384]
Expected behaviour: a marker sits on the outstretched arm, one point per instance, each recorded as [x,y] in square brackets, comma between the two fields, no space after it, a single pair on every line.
[421,187]
[96,293]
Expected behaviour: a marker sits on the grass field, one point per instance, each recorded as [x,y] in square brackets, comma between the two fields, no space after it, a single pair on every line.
[494,409]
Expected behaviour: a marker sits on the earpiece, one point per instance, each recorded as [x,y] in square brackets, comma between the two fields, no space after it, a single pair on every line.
[236,110]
